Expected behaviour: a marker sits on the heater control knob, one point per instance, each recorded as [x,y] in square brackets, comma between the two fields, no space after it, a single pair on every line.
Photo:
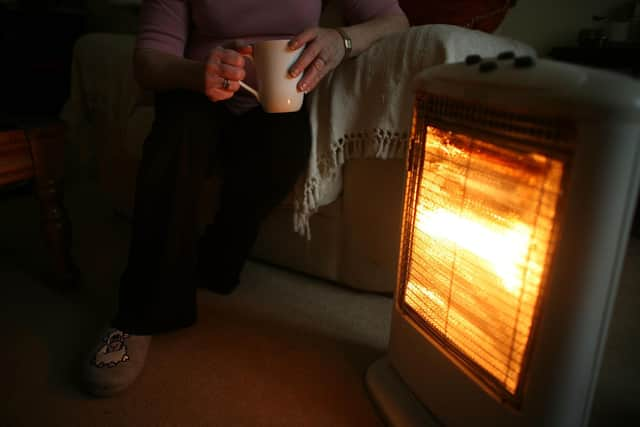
[506,55]
[488,66]
[473,59]
[524,62]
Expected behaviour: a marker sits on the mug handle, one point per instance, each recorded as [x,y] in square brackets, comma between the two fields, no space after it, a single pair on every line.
[249,89]
[246,86]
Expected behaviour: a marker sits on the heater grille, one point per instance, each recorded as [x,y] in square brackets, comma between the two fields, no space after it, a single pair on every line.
[545,132]
[479,226]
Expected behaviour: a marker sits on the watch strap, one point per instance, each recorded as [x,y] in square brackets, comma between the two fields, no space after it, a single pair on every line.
[348,45]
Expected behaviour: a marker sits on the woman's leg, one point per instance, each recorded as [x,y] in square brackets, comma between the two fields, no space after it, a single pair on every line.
[263,155]
[157,290]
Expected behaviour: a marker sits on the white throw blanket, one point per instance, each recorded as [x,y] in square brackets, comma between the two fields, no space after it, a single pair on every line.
[363,109]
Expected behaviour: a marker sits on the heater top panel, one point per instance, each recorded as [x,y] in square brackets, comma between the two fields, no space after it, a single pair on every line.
[536,85]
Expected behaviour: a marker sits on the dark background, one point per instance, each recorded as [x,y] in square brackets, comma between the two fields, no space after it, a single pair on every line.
[36,46]
[36,42]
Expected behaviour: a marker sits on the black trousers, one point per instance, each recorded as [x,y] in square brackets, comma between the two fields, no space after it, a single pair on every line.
[260,157]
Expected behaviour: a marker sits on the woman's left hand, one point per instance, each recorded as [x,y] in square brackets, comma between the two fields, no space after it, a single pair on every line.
[323,52]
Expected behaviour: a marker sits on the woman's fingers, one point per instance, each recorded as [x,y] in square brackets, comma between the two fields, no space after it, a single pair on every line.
[226,71]
[311,49]
[243,47]
[313,74]
[219,90]
[303,38]
[321,55]
[224,68]
[228,56]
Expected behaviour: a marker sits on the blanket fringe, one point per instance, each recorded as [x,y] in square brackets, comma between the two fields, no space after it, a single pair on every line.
[374,143]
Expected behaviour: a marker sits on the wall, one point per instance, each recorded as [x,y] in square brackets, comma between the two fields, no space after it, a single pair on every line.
[548,23]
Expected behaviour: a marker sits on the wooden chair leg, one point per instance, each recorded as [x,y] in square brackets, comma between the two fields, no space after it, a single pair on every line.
[47,151]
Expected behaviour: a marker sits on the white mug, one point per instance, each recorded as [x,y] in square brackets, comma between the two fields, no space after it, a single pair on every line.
[277,91]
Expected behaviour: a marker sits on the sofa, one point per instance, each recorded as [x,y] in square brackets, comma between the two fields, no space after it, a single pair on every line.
[354,233]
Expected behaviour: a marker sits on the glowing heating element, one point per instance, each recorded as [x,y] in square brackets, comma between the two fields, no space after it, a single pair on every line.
[482,235]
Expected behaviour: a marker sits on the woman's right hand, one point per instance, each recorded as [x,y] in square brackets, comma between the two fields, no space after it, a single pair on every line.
[225,67]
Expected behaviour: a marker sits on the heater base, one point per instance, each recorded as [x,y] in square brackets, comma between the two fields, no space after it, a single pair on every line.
[398,405]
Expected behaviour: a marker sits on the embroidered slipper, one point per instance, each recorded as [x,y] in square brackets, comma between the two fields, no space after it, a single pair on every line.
[115,362]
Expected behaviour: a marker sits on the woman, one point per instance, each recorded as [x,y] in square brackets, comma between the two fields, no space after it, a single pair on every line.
[192,54]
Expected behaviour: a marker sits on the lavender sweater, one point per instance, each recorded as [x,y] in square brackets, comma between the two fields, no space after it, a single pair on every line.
[191,28]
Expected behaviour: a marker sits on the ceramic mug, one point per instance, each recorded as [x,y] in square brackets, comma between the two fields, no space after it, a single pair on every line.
[277,91]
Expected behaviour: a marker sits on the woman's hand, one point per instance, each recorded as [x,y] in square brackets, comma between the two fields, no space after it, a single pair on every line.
[225,67]
[323,52]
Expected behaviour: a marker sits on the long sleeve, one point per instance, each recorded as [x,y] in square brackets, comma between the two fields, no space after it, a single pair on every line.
[164,26]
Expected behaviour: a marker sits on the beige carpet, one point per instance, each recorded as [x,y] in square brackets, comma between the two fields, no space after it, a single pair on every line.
[234,368]
[284,350]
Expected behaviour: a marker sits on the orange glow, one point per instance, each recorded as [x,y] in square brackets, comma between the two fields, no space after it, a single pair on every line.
[481,239]
[502,249]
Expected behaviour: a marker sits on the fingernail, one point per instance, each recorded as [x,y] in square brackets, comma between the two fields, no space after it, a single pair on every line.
[303,87]
[293,73]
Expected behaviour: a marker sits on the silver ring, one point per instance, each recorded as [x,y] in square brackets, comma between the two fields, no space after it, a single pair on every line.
[225,84]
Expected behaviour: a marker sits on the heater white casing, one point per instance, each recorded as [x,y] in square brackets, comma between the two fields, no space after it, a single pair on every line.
[597,210]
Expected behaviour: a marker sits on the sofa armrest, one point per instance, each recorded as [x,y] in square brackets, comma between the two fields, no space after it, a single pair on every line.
[103,89]
[108,114]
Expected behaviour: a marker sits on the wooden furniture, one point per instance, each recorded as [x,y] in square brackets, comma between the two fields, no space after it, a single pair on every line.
[36,152]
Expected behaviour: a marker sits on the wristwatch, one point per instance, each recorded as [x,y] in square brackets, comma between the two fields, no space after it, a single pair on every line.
[347,43]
